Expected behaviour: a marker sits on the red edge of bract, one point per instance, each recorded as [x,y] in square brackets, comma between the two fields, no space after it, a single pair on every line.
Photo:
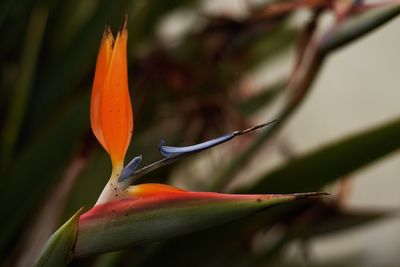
[131,204]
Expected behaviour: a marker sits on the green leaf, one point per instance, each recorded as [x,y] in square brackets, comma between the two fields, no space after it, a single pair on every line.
[109,259]
[39,165]
[28,65]
[132,221]
[320,219]
[331,162]
[329,220]
[357,26]
[58,249]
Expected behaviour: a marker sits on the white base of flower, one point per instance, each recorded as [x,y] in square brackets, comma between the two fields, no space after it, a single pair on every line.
[113,189]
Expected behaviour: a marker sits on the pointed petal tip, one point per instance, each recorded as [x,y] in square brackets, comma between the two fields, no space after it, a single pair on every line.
[125,24]
[123,30]
[107,34]
[108,31]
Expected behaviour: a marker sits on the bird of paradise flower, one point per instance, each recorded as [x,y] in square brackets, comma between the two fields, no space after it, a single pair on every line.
[124,214]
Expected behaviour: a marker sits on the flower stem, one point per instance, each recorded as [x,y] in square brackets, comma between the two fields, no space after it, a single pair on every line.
[112,189]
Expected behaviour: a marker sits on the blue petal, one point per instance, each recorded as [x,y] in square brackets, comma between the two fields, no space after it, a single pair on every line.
[130,169]
[171,151]
[176,153]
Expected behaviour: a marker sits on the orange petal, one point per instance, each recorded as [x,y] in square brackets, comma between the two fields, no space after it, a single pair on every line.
[116,109]
[143,190]
[102,63]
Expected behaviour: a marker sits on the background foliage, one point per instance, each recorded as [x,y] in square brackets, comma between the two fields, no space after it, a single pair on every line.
[185,89]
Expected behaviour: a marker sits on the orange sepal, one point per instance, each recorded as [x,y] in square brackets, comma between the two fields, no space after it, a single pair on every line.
[116,109]
[103,60]
[111,109]
[144,190]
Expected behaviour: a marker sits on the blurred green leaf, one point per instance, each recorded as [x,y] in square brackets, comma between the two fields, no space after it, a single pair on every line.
[30,54]
[327,164]
[328,221]
[353,28]
[14,16]
[37,168]
[109,259]
[316,221]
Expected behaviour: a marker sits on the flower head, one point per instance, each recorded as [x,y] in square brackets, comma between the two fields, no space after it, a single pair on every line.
[110,108]
[112,123]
